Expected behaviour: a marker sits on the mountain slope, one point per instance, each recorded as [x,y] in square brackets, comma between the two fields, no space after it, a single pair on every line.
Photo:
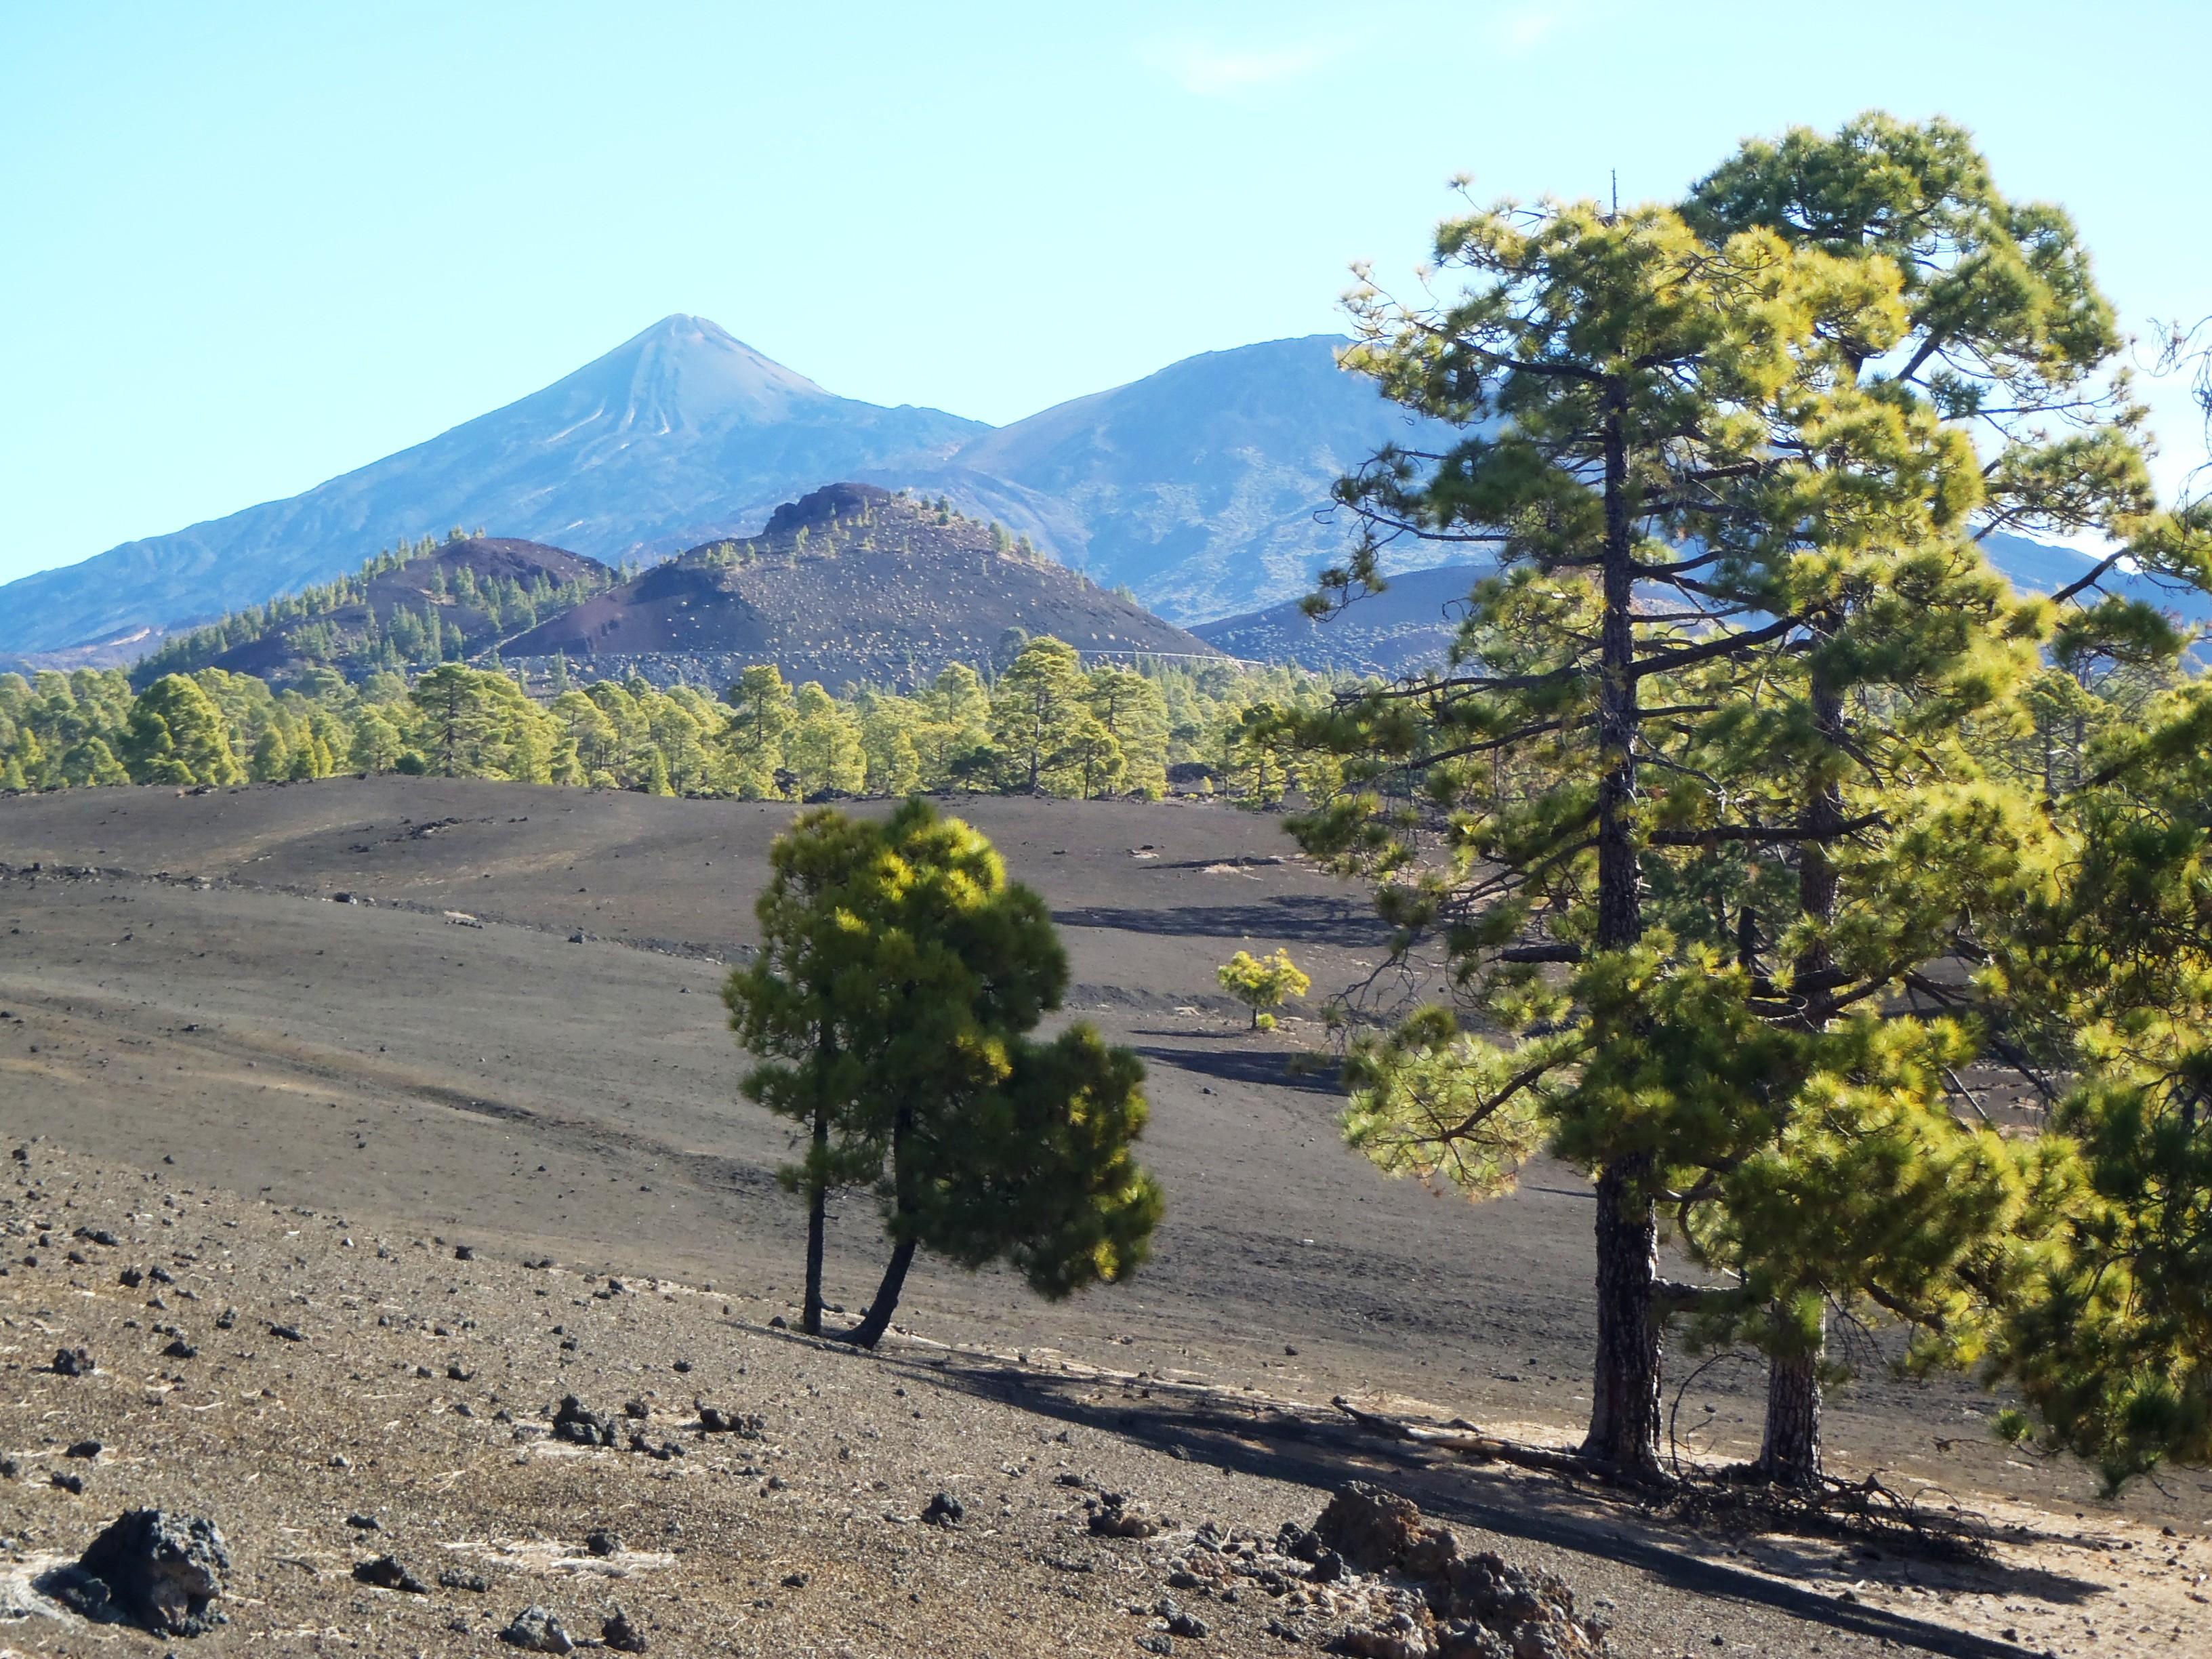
[670,436]
[851,585]
[478,588]
[1205,486]
[1407,626]
[1411,623]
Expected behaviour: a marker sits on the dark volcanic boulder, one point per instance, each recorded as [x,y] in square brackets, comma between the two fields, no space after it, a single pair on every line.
[151,1568]
[579,1425]
[1369,1528]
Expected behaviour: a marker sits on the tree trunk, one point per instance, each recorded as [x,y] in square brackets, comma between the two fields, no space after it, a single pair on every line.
[1789,1448]
[1624,1399]
[1623,1431]
[1790,1453]
[878,1319]
[818,1221]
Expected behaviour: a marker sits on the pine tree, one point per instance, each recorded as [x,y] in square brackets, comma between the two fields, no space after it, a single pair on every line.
[1262,983]
[1047,739]
[822,748]
[898,974]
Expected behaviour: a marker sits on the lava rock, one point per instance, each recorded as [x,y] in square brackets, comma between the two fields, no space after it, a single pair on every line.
[454,1579]
[130,1279]
[385,1572]
[746,1425]
[945,1510]
[1115,1515]
[71,1483]
[580,1426]
[600,1541]
[1179,1622]
[73,1362]
[536,1630]
[87,1450]
[1369,1528]
[623,1636]
[181,1349]
[151,1568]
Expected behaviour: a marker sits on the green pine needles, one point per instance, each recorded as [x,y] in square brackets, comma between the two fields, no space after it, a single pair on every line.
[899,976]
[1755,808]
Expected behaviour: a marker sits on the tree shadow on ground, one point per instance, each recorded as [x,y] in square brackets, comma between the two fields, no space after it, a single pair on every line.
[1265,1440]
[1287,919]
[1313,1073]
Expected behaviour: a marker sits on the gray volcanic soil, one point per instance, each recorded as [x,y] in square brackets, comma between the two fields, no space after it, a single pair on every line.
[180,988]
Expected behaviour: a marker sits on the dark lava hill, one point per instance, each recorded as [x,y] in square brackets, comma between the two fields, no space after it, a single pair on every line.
[850,584]
[482,588]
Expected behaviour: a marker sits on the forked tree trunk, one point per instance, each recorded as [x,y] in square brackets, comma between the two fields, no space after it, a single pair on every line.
[1790,1453]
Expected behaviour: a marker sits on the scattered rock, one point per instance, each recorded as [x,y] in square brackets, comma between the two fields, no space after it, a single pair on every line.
[226,1319]
[623,1636]
[457,1372]
[73,1362]
[130,1279]
[578,1424]
[456,1578]
[385,1572]
[98,1235]
[600,1541]
[1444,1605]
[1180,1623]
[465,1253]
[364,1524]
[71,1483]
[1115,1515]
[87,1450]
[794,1581]
[535,1630]
[945,1510]
[181,1349]
[150,1568]
[1369,1528]
[746,1425]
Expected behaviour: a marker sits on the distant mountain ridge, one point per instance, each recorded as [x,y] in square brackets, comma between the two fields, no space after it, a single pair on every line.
[617,457]
[1203,489]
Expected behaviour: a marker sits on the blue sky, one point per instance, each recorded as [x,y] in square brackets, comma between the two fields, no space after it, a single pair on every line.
[243,248]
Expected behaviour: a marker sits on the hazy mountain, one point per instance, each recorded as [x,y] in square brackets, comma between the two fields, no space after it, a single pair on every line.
[851,585]
[668,438]
[1204,487]
[1410,623]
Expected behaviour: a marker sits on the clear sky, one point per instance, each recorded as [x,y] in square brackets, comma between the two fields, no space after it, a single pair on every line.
[245,247]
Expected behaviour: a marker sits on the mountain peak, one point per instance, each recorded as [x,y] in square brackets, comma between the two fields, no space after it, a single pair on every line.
[688,372]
